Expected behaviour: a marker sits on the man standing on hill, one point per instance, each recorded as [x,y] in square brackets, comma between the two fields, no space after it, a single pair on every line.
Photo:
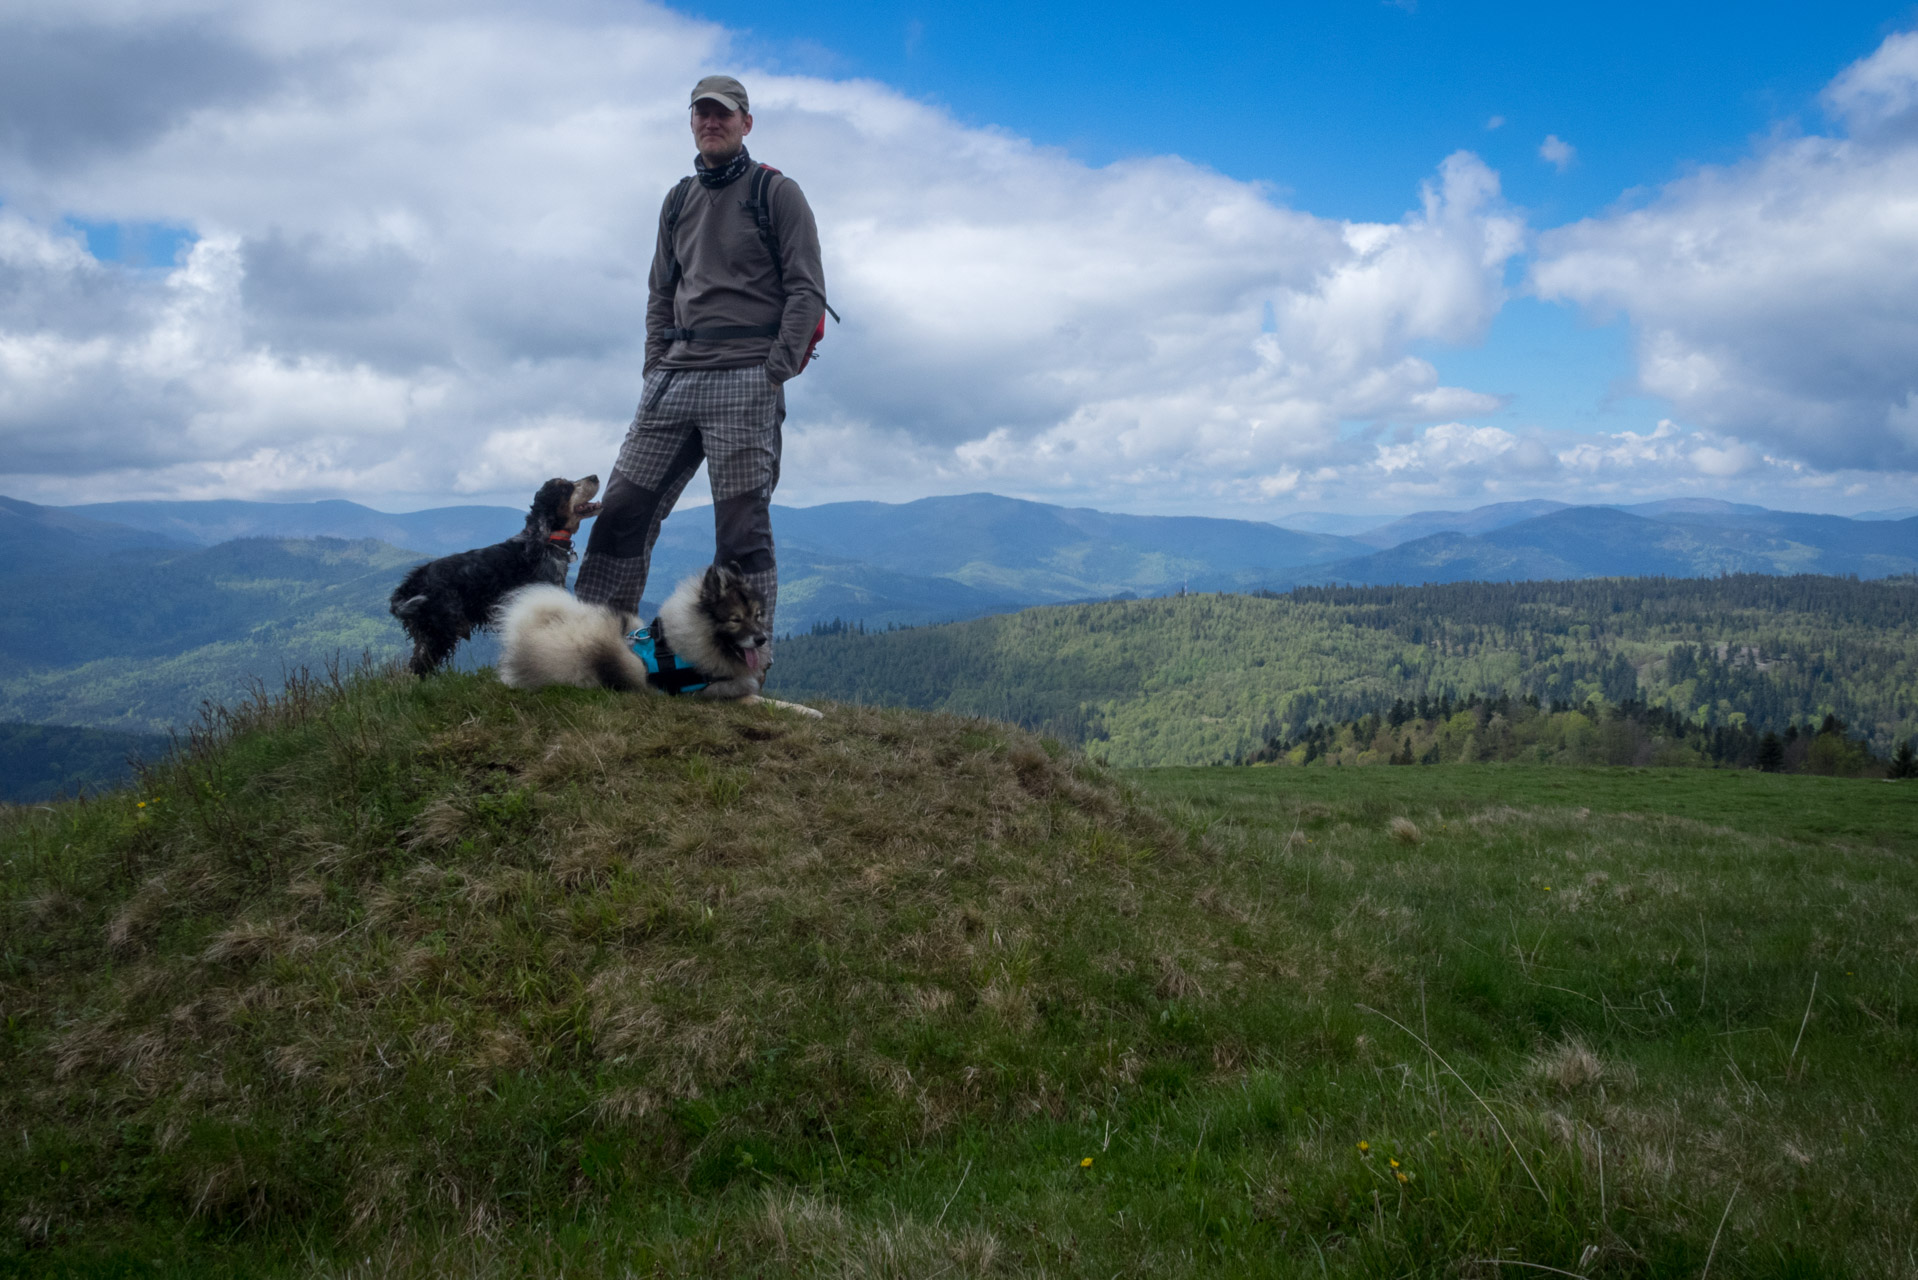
[736,295]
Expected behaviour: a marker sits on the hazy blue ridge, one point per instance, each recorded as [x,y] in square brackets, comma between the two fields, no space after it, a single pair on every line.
[256,589]
[41,762]
[1424,524]
[1007,550]
[1669,507]
[1008,553]
[1499,515]
[1605,542]
[1799,542]
[434,532]
[47,538]
[943,559]
[975,537]
[820,586]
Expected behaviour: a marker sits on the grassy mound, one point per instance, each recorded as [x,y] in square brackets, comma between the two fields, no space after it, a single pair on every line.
[401,949]
[395,977]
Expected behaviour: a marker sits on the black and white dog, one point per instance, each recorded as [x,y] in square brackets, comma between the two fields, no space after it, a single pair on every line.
[709,640]
[444,601]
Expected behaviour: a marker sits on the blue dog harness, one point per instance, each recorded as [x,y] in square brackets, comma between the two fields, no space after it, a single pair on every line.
[666,671]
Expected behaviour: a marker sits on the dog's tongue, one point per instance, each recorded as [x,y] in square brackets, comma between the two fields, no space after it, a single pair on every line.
[752,659]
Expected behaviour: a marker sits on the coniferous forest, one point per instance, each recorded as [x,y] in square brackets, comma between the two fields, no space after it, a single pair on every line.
[1205,678]
[1508,730]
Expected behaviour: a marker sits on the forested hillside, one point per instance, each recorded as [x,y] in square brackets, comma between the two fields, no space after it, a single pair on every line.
[137,640]
[1208,677]
[1508,730]
[39,762]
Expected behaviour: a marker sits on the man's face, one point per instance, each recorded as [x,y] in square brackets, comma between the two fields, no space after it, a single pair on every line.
[718,132]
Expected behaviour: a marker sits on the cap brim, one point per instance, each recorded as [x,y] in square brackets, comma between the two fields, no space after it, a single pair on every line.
[724,100]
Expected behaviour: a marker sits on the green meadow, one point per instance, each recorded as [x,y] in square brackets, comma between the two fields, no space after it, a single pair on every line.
[386,978]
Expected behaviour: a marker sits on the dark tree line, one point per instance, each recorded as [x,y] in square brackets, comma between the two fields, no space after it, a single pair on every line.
[1501,728]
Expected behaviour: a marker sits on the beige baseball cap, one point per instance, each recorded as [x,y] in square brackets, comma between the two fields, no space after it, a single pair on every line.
[724,90]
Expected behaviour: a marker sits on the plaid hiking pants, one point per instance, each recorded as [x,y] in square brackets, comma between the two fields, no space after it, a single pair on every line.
[728,418]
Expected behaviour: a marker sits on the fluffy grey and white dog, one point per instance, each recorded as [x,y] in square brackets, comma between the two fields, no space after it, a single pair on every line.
[709,640]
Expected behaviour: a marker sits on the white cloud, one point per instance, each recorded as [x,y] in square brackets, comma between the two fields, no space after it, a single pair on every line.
[1450,446]
[1880,91]
[1903,421]
[422,238]
[1459,463]
[1233,408]
[1773,299]
[1557,152]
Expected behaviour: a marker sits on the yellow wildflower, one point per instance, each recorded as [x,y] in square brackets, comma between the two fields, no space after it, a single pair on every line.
[1364,1146]
[1401,1177]
[141,805]
[1086,1163]
[1393,1163]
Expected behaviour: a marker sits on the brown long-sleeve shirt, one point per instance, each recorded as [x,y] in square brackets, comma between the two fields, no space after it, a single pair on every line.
[727,279]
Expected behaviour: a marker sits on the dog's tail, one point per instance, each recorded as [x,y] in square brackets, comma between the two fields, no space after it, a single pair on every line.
[547,637]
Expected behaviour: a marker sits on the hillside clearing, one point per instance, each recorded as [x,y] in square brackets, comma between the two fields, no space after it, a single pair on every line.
[409,979]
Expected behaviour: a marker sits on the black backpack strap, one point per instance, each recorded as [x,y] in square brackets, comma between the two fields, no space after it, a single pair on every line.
[761,209]
[675,205]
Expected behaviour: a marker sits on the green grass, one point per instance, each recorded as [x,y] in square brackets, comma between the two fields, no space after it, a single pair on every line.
[440,979]
[1847,811]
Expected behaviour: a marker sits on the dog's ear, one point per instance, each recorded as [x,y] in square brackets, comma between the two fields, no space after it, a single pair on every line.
[717,580]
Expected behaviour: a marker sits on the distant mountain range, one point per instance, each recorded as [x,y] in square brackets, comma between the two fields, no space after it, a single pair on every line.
[127,615]
[436,531]
[117,632]
[1673,540]
[956,557]
[880,563]
[945,558]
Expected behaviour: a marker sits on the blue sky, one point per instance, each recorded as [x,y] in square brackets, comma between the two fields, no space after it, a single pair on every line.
[1249,260]
[1343,108]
